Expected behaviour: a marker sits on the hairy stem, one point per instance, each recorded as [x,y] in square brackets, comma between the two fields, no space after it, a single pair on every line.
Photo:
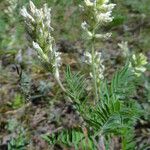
[58,80]
[94,73]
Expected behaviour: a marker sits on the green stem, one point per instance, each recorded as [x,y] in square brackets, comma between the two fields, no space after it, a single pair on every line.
[94,73]
[123,144]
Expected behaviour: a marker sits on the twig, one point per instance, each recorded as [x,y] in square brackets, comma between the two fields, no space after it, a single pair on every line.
[19,111]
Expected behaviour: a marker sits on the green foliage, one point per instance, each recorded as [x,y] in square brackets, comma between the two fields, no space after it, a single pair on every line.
[131,113]
[11,31]
[118,20]
[114,114]
[128,142]
[75,85]
[44,88]
[18,101]
[104,118]
[71,138]
[122,85]
[19,142]
[12,124]
[141,6]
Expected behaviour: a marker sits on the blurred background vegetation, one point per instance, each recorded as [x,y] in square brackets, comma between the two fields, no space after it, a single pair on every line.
[131,23]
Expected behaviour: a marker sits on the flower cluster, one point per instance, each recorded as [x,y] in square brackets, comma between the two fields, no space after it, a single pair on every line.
[138,63]
[102,14]
[103,11]
[38,26]
[98,64]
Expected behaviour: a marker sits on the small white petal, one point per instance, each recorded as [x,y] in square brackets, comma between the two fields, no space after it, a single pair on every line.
[84,25]
[89,3]
[32,7]
[26,15]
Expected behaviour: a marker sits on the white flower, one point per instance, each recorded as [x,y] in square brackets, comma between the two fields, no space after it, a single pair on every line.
[38,25]
[138,64]
[40,52]
[26,15]
[107,7]
[24,12]
[140,69]
[87,58]
[32,7]
[139,59]
[89,3]
[36,45]
[84,25]
[103,36]
[89,34]
[98,64]
[104,17]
